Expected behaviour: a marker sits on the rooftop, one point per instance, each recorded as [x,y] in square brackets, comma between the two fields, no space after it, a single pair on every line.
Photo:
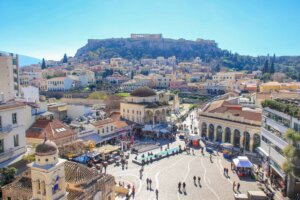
[53,129]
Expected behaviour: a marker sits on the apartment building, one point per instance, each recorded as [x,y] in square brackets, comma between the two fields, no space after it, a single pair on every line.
[276,86]
[9,76]
[12,130]
[59,84]
[275,123]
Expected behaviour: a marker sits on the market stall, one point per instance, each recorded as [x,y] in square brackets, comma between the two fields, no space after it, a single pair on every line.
[242,165]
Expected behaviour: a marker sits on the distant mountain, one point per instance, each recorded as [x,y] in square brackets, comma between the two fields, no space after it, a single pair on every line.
[26,60]
[184,50]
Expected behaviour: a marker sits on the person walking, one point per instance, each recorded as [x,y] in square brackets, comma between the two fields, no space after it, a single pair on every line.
[238,187]
[194,180]
[179,186]
[156,192]
[233,185]
[133,191]
[199,179]
[150,182]
[183,187]
[210,157]
[147,181]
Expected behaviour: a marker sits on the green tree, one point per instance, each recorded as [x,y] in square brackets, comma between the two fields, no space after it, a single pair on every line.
[7,175]
[65,59]
[292,164]
[217,68]
[43,65]
[266,67]
[272,67]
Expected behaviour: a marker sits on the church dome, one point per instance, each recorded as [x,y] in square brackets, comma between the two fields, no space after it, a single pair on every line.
[143,92]
[46,148]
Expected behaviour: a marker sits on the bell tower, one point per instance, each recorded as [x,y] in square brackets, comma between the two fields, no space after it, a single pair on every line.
[48,173]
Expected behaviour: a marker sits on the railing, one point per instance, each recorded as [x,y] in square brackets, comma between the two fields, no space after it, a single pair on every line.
[6,129]
[7,154]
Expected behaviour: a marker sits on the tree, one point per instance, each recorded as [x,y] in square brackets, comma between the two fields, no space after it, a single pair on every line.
[65,59]
[217,68]
[272,68]
[292,164]
[7,175]
[43,66]
[266,67]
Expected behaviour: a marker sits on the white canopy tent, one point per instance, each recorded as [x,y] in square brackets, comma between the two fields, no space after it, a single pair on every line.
[242,161]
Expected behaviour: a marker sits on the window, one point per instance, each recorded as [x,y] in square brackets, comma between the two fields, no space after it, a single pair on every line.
[111,128]
[1,145]
[47,160]
[0,122]
[107,129]
[16,140]
[102,130]
[14,118]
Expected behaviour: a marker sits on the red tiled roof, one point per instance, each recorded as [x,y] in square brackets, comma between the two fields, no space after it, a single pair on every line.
[101,123]
[120,124]
[54,129]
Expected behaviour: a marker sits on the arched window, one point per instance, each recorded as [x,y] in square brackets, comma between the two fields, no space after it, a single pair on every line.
[227,135]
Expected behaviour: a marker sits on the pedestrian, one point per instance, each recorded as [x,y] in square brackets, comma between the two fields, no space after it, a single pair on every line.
[133,191]
[193,151]
[194,179]
[150,182]
[233,185]
[183,187]
[210,157]
[199,179]
[238,187]
[179,186]
[156,192]
[224,170]
[147,180]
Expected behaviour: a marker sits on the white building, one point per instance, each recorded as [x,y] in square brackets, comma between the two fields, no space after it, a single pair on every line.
[31,93]
[9,76]
[12,130]
[275,123]
[59,84]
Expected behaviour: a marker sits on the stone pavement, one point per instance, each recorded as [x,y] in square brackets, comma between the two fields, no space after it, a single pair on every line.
[166,174]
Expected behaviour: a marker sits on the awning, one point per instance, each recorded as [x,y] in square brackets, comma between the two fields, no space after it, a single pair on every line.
[94,137]
[195,137]
[262,152]
[242,161]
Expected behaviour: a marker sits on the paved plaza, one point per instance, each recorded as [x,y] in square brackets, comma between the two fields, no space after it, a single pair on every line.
[167,172]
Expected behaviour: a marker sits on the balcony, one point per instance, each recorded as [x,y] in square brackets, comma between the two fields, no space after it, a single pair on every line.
[6,129]
[276,125]
[11,153]
[276,139]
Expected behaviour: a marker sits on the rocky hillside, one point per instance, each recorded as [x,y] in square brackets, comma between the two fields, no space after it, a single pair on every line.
[184,50]
[147,48]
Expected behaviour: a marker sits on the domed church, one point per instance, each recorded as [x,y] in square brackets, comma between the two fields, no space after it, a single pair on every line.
[50,177]
[145,106]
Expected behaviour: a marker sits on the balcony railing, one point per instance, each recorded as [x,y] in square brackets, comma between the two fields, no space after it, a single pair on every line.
[6,129]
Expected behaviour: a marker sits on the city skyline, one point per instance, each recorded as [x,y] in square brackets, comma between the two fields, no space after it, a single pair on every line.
[54,27]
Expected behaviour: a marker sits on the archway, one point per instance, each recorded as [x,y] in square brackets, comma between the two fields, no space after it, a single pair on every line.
[211,132]
[148,116]
[227,135]
[219,134]
[157,117]
[204,129]
[246,141]
[236,139]
[256,141]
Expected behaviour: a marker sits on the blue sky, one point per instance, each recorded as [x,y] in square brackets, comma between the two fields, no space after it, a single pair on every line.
[50,28]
